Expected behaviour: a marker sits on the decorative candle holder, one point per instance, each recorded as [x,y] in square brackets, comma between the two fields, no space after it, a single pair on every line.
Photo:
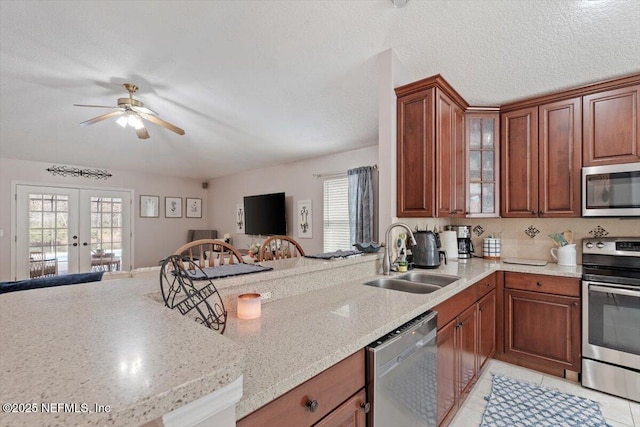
[249,306]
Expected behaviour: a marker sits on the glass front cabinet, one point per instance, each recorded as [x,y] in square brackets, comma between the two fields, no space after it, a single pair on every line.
[483,187]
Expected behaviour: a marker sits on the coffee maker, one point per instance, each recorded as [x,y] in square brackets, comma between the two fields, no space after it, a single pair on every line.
[465,246]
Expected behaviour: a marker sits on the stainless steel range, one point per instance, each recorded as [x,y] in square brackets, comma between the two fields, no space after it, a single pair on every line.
[611,315]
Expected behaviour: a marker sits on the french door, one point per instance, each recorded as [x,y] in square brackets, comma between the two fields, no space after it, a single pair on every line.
[71,230]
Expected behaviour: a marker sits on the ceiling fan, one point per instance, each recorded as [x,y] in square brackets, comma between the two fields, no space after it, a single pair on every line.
[130,112]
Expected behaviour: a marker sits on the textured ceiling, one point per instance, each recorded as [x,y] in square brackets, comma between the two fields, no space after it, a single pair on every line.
[256,83]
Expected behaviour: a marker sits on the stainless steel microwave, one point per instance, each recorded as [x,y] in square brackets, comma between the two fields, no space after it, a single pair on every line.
[611,190]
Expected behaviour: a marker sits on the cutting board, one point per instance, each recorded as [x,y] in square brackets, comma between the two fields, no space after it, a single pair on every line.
[525,261]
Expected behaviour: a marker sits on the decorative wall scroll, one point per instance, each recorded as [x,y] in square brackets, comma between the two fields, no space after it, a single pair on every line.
[305,219]
[75,172]
[239,218]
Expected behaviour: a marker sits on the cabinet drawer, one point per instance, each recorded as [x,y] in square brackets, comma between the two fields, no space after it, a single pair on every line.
[486,285]
[451,308]
[542,283]
[329,389]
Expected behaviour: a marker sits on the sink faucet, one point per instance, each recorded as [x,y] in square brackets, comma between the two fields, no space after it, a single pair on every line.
[386,261]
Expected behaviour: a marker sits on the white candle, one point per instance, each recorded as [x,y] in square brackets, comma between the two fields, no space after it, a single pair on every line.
[249,306]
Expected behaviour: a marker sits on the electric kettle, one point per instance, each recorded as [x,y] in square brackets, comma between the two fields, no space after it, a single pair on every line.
[426,253]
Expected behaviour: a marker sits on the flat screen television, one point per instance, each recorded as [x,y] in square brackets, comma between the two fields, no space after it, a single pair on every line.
[265,214]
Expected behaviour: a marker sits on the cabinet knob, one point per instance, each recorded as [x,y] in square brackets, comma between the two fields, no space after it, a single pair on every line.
[488,284]
[540,213]
[539,283]
[575,304]
[480,308]
[312,405]
[366,407]
[533,212]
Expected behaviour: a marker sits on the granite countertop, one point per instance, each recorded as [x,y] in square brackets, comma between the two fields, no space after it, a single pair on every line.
[108,343]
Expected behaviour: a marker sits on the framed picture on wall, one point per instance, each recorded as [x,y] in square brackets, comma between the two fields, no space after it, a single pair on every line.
[173,207]
[149,206]
[194,208]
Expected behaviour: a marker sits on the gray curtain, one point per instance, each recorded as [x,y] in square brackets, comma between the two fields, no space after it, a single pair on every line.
[361,204]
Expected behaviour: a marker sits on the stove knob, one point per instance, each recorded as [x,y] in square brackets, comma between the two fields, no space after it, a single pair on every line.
[589,245]
[600,245]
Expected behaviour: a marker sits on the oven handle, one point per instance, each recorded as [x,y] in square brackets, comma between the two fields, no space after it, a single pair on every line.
[611,290]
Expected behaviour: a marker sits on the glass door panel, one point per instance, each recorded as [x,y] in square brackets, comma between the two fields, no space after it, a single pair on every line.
[482,182]
[48,223]
[109,227]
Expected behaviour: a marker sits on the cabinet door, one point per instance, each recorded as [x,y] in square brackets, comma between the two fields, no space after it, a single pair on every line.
[447,368]
[519,163]
[350,414]
[560,158]
[486,328]
[482,162]
[610,126]
[467,348]
[445,156]
[460,175]
[415,152]
[543,328]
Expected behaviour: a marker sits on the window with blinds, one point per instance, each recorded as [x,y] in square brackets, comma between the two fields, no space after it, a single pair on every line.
[336,214]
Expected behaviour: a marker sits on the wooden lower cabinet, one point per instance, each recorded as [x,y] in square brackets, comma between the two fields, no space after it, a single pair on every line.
[542,322]
[465,343]
[486,328]
[350,414]
[329,398]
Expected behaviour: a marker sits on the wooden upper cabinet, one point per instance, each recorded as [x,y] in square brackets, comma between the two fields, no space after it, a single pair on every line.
[450,158]
[415,154]
[610,126]
[542,160]
[430,149]
[560,158]
[519,163]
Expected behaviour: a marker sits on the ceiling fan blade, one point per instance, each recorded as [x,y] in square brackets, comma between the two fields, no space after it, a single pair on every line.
[142,133]
[145,110]
[101,118]
[96,106]
[162,123]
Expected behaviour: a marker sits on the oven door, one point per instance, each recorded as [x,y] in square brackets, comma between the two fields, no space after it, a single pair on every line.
[611,323]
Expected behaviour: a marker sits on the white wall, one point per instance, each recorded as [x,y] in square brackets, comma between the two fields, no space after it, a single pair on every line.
[154,238]
[296,180]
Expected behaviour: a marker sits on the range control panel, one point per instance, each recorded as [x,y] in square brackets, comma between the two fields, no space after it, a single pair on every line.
[626,246]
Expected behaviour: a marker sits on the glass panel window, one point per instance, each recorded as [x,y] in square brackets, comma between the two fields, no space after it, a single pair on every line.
[474,133]
[474,165]
[48,231]
[106,234]
[336,215]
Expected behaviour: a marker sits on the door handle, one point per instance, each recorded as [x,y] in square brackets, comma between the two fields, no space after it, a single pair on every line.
[84,244]
[75,244]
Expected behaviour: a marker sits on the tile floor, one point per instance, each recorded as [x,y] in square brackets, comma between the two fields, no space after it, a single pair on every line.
[618,412]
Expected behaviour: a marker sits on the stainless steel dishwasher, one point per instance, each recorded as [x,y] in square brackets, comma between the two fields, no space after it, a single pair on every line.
[402,373]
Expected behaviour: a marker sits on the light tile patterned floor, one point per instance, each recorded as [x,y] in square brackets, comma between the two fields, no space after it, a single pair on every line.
[617,412]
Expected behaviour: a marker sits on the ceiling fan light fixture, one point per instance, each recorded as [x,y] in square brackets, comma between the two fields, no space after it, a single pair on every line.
[399,3]
[122,121]
[135,122]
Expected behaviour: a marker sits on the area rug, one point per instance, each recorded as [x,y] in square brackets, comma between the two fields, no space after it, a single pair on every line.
[518,403]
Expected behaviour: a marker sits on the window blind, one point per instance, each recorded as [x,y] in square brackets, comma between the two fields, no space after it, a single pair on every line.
[336,214]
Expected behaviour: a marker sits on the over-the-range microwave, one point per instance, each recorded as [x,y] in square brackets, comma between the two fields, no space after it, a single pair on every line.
[611,190]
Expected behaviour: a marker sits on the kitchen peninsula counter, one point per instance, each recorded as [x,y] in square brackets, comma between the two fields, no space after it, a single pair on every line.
[112,344]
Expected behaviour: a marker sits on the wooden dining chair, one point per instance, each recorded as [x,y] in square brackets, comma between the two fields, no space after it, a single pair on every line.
[209,253]
[279,247]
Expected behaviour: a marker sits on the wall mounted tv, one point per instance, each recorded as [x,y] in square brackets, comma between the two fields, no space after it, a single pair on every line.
[265,214]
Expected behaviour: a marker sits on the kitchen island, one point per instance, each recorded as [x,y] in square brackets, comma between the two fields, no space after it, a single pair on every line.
[112,343]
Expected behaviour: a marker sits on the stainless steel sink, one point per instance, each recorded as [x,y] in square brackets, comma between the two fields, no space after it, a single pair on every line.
[429,279]
[404,285]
